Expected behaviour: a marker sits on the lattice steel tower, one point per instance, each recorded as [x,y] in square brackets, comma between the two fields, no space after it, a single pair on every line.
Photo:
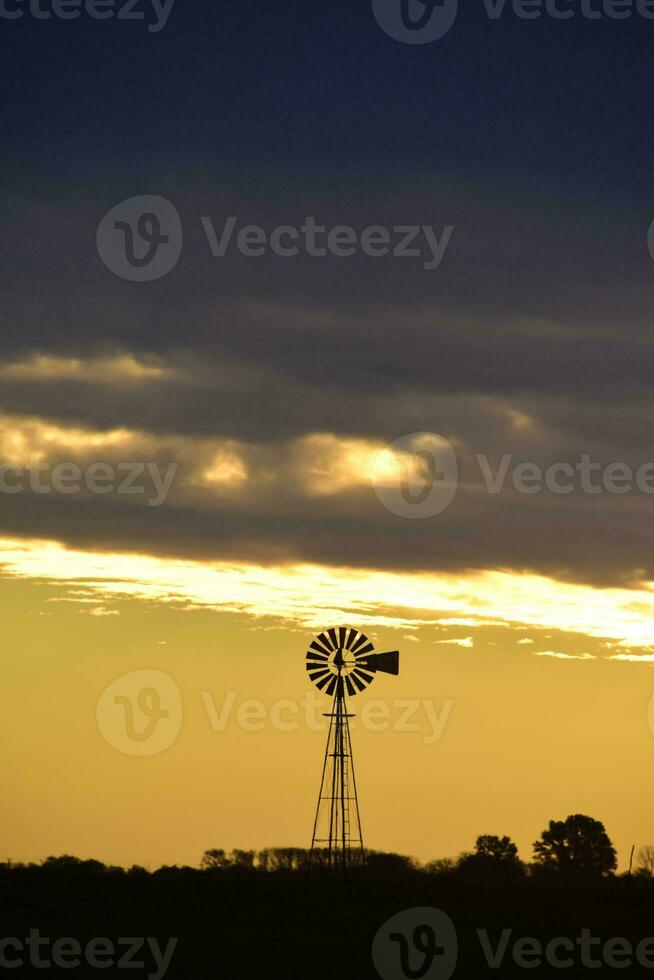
[341,662]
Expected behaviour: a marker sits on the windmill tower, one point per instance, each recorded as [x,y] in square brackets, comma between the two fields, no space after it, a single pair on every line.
[341,662]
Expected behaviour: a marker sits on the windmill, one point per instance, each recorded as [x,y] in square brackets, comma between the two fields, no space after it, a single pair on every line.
[341,661]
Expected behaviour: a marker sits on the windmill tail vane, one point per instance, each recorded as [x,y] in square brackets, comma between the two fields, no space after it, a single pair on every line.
[341,662]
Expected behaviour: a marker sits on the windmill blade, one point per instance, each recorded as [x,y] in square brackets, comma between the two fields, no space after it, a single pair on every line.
[321,681]
[318,650]
[342,633]
[359,643]
[333,637]
[385,663]
[331,686]
[368,648]
[324,639]
[314,658]
[351,636]
[351,689]
[316,672]
[358,677]
[363,676]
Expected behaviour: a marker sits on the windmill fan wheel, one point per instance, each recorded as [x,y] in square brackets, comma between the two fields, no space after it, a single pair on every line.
[347,653]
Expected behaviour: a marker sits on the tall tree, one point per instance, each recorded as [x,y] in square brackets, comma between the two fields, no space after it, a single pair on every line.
[578,845]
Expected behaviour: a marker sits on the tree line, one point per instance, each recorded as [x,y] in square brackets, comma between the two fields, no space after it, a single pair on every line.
[577,847]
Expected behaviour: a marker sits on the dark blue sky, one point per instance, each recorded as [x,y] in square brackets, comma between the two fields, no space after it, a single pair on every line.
[313,87]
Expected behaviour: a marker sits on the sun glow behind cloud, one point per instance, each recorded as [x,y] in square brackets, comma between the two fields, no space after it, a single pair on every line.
[227,469]
[325,464]
[317,465]
[24,440]
[120,369]
[310,595]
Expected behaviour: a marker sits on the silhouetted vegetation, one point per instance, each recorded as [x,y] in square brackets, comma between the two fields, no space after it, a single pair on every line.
[645,867]
[251,913]
[576,846]
[494,859]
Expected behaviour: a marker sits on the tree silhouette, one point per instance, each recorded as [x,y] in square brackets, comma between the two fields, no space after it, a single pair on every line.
[243,859]
[282,858]
[218,858]
[578,845]
[383,864]
[500,849]
[440,866]
[494,857]
[646,862]
[214,858]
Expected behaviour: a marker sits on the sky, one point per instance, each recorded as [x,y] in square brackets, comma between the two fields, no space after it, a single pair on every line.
[381,357]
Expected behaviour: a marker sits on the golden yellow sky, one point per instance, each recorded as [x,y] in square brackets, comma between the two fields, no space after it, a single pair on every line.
[514,722]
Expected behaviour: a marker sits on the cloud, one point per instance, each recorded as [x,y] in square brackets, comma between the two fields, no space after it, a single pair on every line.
[311,595]
[467,642]
[524,642]
[117,370]
[634,658]
[310,499]
[564,656]
[276,382]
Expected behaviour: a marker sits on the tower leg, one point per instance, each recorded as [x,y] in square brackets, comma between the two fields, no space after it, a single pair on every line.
[337,825]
